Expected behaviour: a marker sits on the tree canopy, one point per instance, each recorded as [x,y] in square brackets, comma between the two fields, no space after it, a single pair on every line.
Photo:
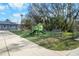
[54,15]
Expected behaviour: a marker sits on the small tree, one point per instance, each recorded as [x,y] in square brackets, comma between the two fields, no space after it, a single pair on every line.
[37,29]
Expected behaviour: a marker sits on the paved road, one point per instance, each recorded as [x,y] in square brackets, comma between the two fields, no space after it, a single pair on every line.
[14,45]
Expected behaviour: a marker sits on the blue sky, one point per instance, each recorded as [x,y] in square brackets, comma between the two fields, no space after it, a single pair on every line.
[12,11]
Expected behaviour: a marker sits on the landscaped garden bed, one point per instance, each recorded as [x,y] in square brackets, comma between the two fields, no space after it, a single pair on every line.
[53,40]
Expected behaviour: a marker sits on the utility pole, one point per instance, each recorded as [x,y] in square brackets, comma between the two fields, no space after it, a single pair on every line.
[21,25]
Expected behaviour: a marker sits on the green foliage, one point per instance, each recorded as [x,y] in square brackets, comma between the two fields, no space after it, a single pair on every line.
[26,24]
[47,26]
[53,16]
[54,44]
[67,33]
[38,27]
[37,30]
[50,40]
[58,22]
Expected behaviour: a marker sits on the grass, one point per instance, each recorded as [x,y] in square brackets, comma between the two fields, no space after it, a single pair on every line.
[53,40]
[59,45]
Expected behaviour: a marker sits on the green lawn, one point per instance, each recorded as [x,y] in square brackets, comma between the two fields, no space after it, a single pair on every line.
[53,40]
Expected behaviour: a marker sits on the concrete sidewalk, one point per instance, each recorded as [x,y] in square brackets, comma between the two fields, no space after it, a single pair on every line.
[14,45]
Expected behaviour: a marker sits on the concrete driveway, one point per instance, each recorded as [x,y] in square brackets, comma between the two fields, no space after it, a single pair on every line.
[14,45]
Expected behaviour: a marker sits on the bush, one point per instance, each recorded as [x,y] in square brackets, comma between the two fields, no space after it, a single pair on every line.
[38,29]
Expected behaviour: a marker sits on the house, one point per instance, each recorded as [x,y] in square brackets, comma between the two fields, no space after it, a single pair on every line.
[8,25]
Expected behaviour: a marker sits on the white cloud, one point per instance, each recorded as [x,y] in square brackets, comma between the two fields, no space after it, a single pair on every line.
[16,5]
[16,17]
[2,8]
[15,20]
[16,14]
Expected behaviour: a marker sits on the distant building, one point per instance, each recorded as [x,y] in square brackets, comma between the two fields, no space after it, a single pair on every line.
[8,25]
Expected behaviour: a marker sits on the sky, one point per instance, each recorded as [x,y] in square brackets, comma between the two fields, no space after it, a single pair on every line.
[12,11]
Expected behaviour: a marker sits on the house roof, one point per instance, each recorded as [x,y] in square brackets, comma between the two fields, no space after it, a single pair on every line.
[7,22]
